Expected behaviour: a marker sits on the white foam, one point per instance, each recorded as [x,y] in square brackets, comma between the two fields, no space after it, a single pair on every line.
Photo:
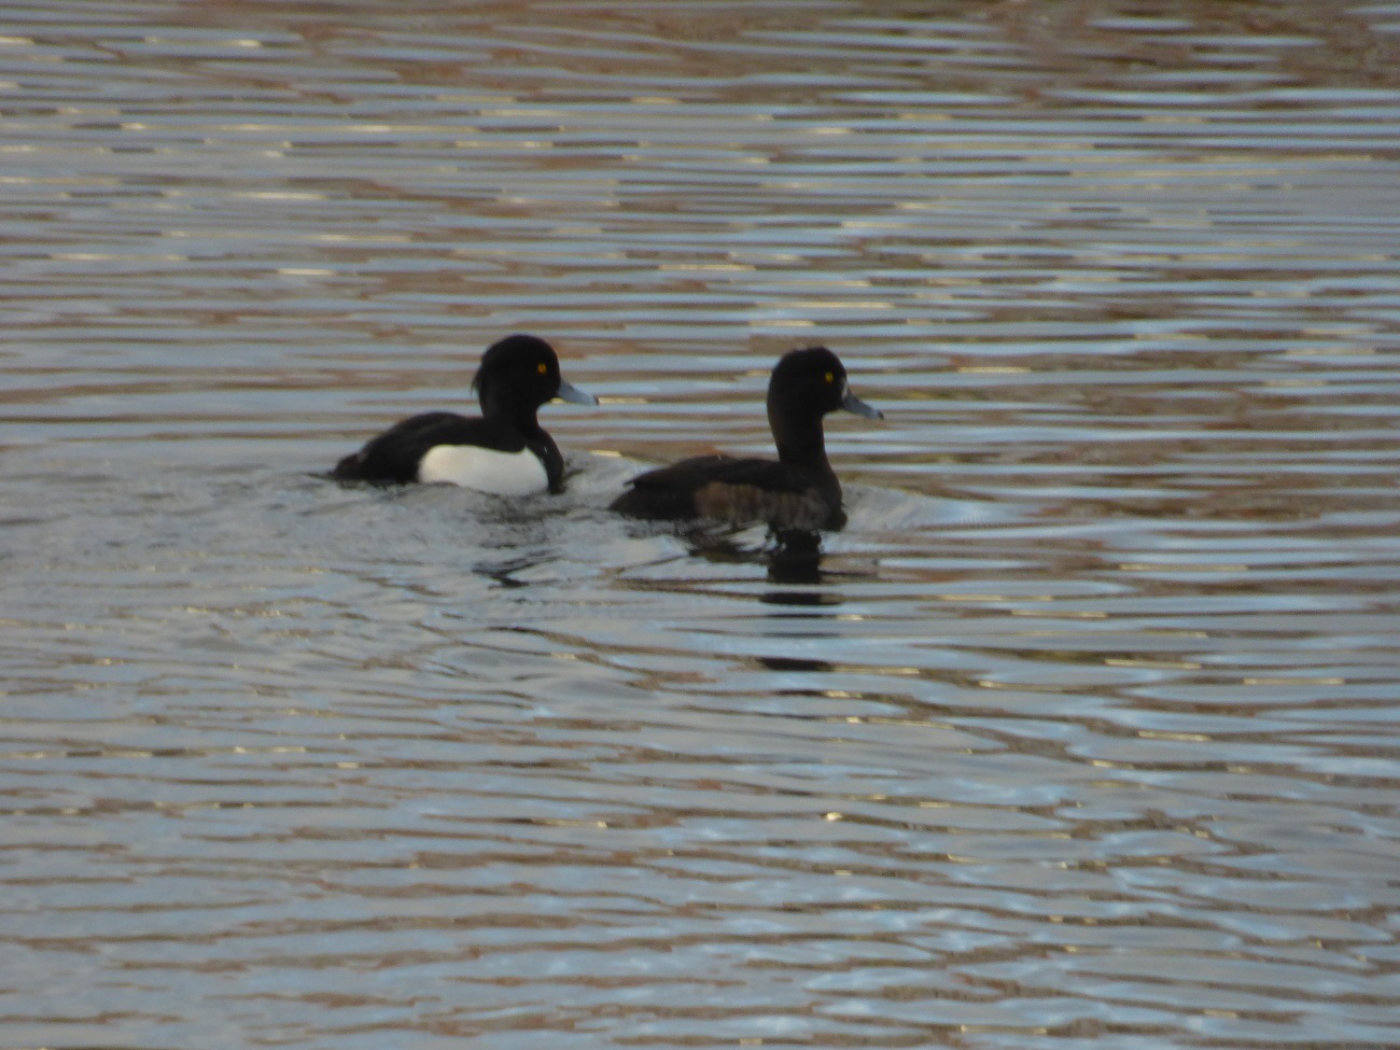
[484,469]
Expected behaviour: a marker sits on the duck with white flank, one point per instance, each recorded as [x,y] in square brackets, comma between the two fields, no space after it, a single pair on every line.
[503,451]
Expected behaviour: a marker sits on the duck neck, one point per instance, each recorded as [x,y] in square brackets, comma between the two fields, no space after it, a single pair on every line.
[521,415]
[801,443]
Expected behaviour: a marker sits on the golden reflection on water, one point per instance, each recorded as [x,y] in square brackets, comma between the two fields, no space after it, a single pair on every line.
[1081,728]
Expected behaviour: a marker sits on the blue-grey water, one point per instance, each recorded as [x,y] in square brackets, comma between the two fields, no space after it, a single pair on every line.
[1083,733]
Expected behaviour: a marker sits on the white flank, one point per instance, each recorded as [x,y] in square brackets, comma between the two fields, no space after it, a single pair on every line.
[486,470]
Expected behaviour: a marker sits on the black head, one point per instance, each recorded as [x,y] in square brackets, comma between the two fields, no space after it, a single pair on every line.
[811,383]
[518,374]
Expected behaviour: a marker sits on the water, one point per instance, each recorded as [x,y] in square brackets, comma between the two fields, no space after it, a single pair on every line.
[1083,729]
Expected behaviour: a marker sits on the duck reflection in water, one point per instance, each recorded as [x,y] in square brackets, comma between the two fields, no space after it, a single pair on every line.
[793,560]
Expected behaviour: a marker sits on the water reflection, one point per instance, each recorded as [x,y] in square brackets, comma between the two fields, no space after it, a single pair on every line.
[788,556]
[1082,726]
[503,570]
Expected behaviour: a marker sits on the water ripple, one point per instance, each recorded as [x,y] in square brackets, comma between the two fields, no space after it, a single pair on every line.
[1082,728]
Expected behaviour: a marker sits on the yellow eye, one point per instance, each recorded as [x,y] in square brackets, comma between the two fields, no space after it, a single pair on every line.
[831,377]
[542,368]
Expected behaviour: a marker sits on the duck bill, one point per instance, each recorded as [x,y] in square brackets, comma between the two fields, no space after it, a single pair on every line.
[851,403]
[569,392]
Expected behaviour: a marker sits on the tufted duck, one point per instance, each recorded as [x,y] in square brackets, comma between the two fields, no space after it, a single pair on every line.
[504,450]
[797,493]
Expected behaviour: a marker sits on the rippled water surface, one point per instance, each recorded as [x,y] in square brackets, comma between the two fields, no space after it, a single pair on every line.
[1083,730]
